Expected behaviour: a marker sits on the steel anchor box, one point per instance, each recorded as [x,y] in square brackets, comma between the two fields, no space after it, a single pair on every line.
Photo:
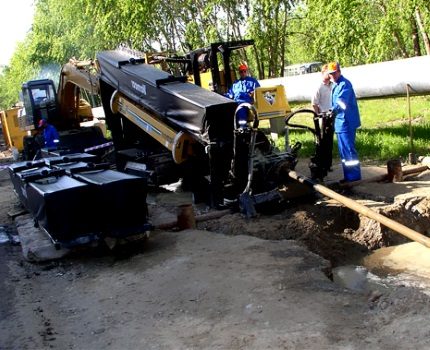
[63,207]
[14,173]
[121,201]
[20,179]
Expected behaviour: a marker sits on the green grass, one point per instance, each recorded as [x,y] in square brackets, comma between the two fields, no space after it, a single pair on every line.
[385,132]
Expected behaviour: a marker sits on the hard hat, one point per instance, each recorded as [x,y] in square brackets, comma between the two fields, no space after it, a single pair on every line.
[42,123]
[333,67]
[243,67]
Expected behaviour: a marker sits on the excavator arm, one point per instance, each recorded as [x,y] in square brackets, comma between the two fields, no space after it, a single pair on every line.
[77,78]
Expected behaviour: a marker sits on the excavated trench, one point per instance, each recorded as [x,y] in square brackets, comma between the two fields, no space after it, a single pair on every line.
[337,233]
[326,227]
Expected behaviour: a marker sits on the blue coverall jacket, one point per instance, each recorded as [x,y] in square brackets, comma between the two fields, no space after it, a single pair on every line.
[345,106]
[240,92]
[347,120]
[50,134]
[241,89]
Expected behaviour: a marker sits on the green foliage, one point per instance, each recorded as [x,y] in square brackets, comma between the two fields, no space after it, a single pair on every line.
[285,31]
[387,131]
[351,31]
[15,74]
[267,26]
[360,31]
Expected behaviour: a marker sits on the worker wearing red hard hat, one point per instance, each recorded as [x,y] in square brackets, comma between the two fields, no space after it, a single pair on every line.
[242,91]
[347,120]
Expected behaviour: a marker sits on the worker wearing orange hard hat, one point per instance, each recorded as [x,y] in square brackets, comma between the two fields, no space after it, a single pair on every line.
[242,91]
[347,120]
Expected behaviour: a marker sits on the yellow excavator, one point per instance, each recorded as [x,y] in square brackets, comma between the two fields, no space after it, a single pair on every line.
[70,108]
[12,133]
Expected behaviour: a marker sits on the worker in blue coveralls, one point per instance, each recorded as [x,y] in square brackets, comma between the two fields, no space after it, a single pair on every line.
[50,134]
[347,120]
[242,91]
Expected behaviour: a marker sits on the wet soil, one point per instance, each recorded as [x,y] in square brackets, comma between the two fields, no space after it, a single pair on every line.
[231,283]
[323,228]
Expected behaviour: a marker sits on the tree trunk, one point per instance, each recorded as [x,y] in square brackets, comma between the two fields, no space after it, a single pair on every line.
[415,37]
[400,44]
[421,28]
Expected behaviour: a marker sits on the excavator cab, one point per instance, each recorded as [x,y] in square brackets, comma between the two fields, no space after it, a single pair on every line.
[40,102]
[63,108]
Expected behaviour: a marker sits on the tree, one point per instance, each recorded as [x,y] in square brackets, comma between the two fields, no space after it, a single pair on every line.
[285,31]
[268,26]
[364,31]
[18,71]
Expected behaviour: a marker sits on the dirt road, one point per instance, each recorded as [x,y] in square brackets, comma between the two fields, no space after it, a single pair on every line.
[202,289]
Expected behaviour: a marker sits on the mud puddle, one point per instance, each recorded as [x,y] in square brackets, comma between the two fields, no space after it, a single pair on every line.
[359,279]
[405,265]
[402,265]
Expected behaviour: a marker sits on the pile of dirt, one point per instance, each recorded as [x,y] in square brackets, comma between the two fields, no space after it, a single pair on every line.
[316,225]
[412,212]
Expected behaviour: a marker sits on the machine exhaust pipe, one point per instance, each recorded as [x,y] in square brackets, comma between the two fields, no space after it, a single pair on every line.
[359,208]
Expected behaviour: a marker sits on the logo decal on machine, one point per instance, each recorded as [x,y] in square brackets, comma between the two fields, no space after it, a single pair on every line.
[269,97]
[139,87]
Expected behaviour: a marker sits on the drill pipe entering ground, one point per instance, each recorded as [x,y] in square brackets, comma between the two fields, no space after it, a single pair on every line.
[359,208]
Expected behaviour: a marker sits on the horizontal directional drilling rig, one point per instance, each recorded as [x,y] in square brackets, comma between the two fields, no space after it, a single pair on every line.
[169,129]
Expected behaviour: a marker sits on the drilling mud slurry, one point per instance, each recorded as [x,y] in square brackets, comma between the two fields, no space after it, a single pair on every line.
[406,264]
[359,279]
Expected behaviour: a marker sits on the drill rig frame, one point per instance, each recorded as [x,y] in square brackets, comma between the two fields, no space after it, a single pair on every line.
[156,114]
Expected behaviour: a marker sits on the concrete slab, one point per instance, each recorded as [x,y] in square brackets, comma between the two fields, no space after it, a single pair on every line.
[36,245]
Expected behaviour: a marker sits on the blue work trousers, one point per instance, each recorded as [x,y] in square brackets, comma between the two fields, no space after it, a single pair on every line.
[348,155]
